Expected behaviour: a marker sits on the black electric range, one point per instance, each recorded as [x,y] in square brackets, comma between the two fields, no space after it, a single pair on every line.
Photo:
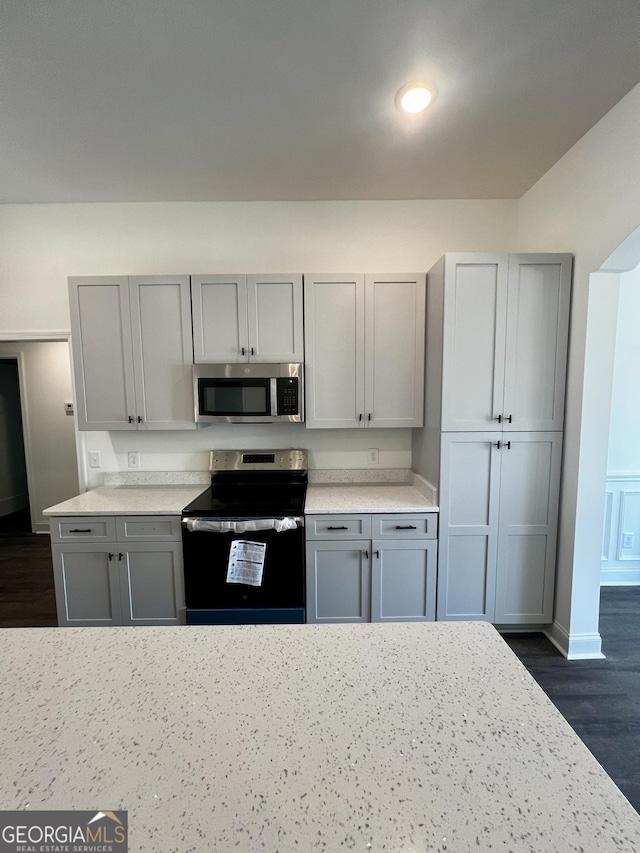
[243,540]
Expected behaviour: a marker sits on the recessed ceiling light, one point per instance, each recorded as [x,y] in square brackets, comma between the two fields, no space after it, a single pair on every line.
[415,97]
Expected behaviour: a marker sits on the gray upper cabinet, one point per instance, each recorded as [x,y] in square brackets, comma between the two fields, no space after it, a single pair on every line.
[162,351]
[132,352]
[238,318]
[498,329]
[364,339]
[102,353]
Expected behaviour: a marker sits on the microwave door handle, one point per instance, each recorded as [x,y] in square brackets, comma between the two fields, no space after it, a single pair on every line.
[274,396]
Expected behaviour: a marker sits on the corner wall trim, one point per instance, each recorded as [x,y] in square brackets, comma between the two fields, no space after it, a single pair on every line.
[575,646]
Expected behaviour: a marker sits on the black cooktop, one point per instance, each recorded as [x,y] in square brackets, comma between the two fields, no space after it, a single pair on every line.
[253,484]
[248,501]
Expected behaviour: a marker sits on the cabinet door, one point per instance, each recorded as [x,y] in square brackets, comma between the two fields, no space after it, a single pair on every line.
[394,350]
[338,581]
[219,306]
[86,582]
[529,489]
[102,353]
[151,584]
[473,345]
[334,346]
[536,344]
[274,305]
[162,351]
[403,580]
[469,504]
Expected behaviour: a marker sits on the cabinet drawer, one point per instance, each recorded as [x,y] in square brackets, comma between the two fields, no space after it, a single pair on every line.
[419,525]
[94,528]
[338,526]
[148,528]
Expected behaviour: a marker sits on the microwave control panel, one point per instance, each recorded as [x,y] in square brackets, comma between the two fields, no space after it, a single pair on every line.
[288,395]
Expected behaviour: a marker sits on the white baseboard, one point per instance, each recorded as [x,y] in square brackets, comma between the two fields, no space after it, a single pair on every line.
[575,646]
[42,527]
[13,503]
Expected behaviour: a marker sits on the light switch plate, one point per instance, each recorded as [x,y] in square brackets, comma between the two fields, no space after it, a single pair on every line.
[94,459]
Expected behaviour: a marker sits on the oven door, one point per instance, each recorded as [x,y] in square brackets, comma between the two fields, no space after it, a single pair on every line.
[212,600]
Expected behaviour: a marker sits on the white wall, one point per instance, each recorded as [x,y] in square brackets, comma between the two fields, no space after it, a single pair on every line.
[624,432]
[587,203]
[13,475]
[51,446]
[40,245]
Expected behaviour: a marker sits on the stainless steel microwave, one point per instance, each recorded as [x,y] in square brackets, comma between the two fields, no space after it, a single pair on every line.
[248,393]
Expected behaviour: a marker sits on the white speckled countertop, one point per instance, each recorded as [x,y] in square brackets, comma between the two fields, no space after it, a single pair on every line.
[370,497]
[401,738]
[171,499]
[129,500]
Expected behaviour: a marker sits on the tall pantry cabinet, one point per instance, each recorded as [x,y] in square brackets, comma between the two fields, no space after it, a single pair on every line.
[497,331]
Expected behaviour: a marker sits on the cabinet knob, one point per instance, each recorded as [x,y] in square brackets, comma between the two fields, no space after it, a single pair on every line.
[366,554]
[507,444]
[377,554]
[110,555]
[499,419]
[360,417]
[139,419]
[252,351]
[130,419]
[406,527]
[120,556]
[509,418]
[497,444]
[77,530]
[344,527]
[242,351]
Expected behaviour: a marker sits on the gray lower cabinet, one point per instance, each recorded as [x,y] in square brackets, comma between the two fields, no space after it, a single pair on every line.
[390,578]
[498,524]
[119,582]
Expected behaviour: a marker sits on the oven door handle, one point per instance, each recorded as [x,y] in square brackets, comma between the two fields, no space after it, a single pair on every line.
[246,525]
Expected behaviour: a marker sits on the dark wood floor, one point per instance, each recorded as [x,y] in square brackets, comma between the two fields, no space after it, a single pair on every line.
[27,599]
[600,699]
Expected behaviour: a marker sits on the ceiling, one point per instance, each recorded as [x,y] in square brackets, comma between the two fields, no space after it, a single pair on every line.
[268,100]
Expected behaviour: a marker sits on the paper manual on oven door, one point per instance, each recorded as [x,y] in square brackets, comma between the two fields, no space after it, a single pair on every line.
[246,562]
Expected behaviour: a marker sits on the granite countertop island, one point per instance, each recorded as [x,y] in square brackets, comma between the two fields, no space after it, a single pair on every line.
[403,737]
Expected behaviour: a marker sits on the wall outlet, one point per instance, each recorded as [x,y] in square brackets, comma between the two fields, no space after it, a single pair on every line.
[134,459]
[372,456]
[627,540]
[94,459]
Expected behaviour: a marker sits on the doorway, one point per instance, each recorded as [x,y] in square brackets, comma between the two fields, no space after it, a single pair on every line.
[48,423]
[15,516]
